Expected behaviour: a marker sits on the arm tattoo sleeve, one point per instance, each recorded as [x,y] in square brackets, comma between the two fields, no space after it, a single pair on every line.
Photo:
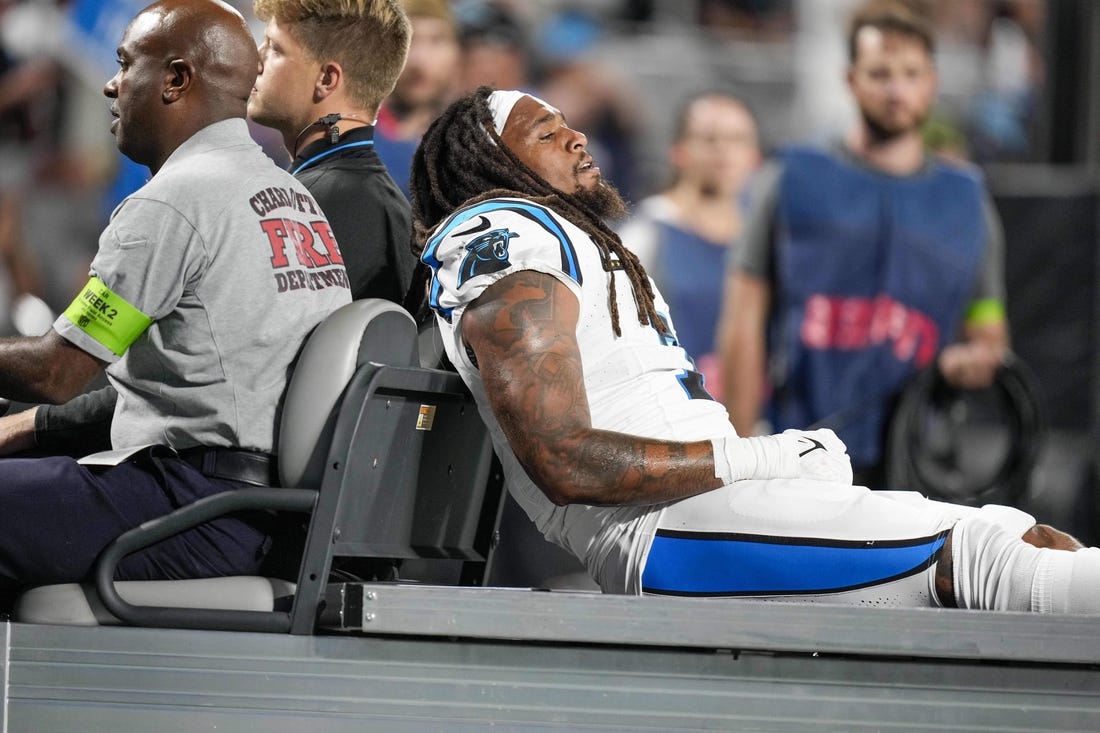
[523,332]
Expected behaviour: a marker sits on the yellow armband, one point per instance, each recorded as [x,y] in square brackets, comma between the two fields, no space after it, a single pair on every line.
[107,317]
[987,310]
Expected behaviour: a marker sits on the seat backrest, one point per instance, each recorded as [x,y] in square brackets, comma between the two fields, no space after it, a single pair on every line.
[399,454]
[429,343]
[410,476]
[370,330]
[415,466]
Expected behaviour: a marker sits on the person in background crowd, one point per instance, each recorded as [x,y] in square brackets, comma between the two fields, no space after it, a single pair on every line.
[684,234]
[862,263]
[496,46]
[29,91]
[424,88]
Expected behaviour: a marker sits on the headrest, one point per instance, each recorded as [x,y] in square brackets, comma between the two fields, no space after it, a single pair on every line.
[369,330]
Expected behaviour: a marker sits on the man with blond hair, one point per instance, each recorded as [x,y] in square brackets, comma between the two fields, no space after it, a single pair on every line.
[325,67]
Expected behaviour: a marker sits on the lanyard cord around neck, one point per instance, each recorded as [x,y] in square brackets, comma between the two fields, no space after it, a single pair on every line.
[324,154]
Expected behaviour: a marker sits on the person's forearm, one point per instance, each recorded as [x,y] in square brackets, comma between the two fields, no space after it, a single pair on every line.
[45,368]
[602,468]
[17,432]
[744,388]
[742,347]
[78,427]
[523,333]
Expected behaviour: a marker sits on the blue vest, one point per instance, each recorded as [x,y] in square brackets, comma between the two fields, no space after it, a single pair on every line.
[873,275]
[692,272]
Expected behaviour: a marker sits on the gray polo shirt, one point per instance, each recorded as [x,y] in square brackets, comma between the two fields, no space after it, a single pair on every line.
[233,263]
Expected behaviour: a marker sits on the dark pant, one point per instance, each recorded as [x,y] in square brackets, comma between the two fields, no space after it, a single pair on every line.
[873,477]
[56,515]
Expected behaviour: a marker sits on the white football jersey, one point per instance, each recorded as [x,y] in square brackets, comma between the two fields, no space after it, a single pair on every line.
[641,382]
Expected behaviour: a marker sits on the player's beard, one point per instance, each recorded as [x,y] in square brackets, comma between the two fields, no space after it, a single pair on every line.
[604,200]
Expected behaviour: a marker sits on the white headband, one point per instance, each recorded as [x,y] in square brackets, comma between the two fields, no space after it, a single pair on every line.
[501,104]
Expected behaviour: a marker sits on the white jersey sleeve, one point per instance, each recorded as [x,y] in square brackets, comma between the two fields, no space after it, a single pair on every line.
[481,244]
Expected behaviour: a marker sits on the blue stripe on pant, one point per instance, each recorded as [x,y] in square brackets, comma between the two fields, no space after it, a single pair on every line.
[56,515]
[717,564]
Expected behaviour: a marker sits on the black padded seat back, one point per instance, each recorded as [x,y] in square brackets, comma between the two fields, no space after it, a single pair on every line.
[411,477]
[394,507]
[369,330]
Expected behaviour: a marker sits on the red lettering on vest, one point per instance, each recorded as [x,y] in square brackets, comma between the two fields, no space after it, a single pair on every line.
[857,323]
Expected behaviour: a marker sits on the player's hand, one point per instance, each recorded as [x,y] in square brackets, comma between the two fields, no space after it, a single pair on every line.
[809,454]
[816,454]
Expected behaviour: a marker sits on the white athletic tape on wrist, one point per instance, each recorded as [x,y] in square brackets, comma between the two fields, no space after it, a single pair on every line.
[761,457]
[818,455]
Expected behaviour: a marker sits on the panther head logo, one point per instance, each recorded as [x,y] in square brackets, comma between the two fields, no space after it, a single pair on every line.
[488,253]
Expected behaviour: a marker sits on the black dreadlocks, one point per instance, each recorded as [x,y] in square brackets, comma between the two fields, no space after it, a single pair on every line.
[458,164]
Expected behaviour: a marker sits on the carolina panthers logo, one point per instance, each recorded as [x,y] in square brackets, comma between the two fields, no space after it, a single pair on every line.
[488,253]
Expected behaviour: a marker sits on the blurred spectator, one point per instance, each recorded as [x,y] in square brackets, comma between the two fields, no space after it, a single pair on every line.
[30,97]
[495,46]
[746,17]
[593,96]
[1002,115]
[994,66]
[683,235]
[863,263]
[424,88]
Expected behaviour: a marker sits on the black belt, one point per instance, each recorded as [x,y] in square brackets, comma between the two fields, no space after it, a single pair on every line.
[248,467]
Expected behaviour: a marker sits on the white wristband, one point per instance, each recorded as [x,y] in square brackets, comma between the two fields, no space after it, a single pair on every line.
[761,457]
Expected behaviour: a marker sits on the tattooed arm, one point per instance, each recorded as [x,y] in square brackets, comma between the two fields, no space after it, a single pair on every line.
[523,332]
